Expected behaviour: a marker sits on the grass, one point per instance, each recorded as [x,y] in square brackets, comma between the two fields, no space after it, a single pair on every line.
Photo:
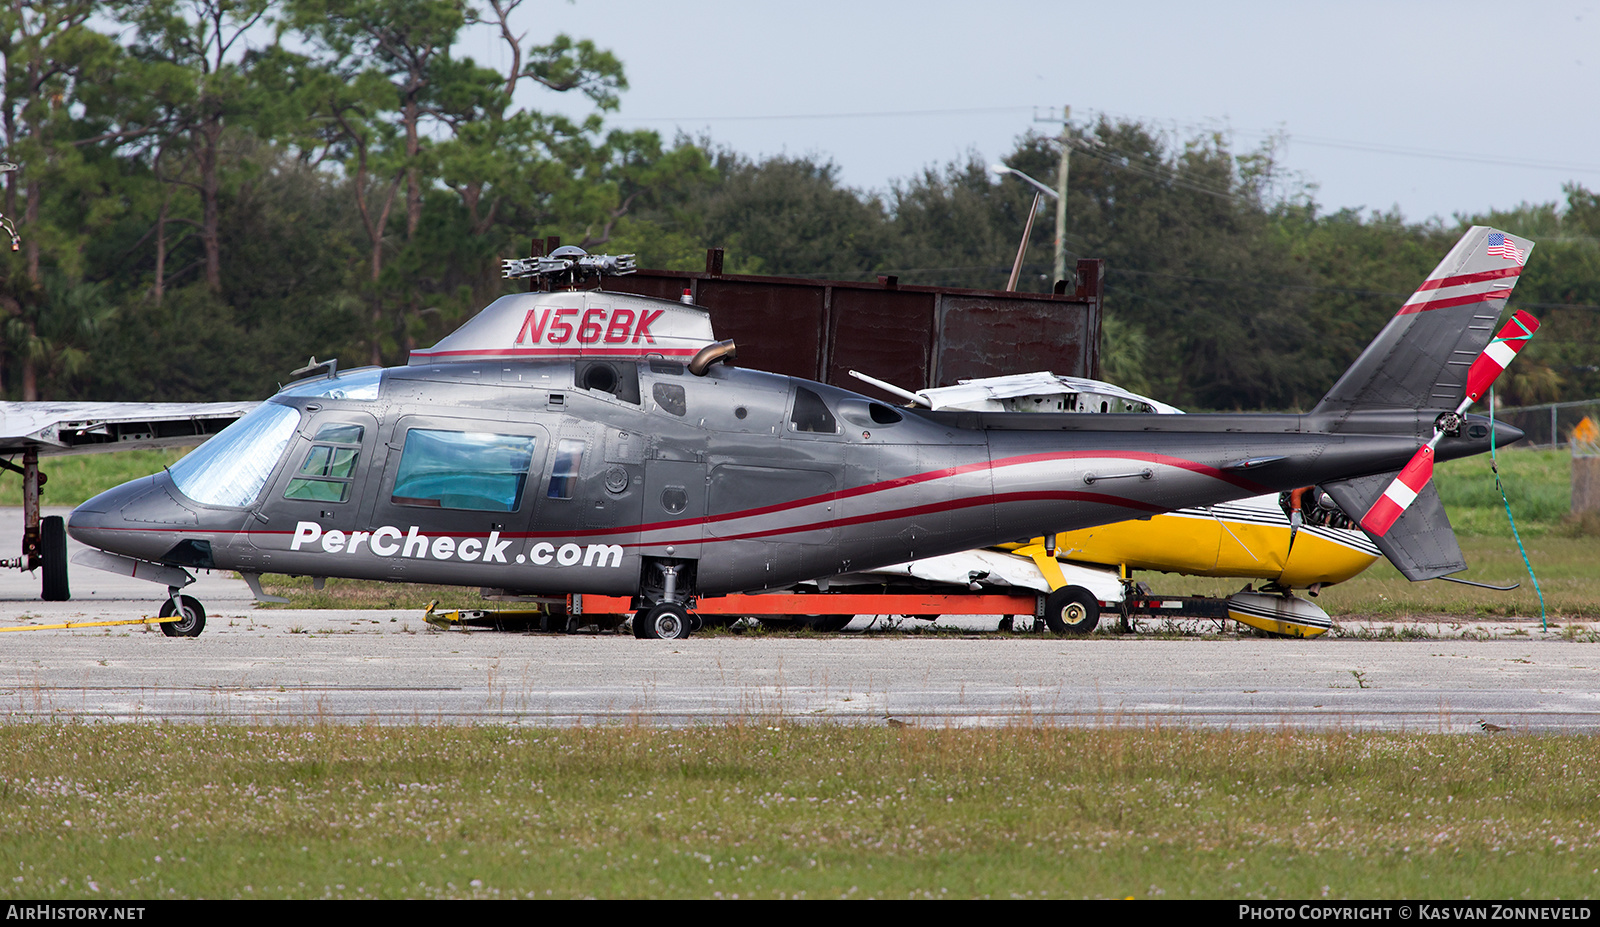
[74,480]
[1564,566]
[360,593]
[1537,482]
[770,810]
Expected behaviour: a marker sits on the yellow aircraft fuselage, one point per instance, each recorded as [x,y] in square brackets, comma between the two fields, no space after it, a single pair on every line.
[1249,539]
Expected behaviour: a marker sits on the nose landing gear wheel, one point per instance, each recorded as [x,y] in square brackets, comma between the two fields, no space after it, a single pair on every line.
[193,619]
[665,622]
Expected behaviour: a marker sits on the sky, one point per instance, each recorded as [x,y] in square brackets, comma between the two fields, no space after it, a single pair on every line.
[1432,108]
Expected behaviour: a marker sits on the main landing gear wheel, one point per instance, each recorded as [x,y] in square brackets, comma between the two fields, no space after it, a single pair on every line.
[666,622]
[53,544]
[193,619]
[1071,610]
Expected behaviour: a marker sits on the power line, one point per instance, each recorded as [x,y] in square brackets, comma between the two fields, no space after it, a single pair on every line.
[1167,174]
[1312,140]
[1445,156]
[882,114]
[1370,147]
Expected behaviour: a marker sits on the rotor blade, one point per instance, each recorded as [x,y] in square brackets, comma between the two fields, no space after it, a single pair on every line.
[1498,353]
[1401,493]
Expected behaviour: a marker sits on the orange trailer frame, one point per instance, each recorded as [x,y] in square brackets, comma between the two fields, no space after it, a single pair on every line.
[829,603]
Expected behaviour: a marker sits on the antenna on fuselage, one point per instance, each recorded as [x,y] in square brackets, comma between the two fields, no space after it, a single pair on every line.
[314,365]
[905,394]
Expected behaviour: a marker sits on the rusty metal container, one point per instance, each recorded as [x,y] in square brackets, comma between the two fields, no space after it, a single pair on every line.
[912,336]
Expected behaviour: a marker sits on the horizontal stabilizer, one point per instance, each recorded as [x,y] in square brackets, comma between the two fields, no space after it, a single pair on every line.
[1421,544]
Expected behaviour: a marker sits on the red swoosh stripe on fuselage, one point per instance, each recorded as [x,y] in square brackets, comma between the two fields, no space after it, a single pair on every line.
[869,489]
[965,502]
[928,476]
[1092,498]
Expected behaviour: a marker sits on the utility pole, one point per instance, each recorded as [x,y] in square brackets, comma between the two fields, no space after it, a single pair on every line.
[1059,270]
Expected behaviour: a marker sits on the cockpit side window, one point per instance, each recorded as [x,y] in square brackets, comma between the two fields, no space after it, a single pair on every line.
[811,414]
[463,470]
[329,468]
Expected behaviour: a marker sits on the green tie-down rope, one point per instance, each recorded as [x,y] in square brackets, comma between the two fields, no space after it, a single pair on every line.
[1494,465]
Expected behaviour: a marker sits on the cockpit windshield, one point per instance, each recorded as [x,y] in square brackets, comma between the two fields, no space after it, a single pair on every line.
[231,468]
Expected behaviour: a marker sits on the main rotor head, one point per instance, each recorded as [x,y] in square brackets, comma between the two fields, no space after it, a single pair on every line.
[568,265]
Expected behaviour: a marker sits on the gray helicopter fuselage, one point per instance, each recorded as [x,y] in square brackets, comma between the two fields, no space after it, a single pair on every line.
[514,476]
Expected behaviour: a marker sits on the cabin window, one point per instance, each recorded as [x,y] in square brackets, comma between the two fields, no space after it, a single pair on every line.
[329,468]
[569,462]
[463,470]
[811,414]
[232,468]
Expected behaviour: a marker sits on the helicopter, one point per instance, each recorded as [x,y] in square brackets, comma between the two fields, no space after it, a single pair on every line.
[586,441]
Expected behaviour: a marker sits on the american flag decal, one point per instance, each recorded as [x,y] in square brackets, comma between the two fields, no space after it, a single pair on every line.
[1500,246]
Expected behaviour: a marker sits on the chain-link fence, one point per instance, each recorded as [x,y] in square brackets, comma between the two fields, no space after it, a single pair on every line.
[1550,424]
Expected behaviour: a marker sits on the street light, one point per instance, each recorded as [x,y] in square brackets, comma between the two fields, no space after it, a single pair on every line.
[1039,190]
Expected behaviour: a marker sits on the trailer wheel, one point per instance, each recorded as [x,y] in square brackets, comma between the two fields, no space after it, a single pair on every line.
[192,622]
[1071,610]
[53,541]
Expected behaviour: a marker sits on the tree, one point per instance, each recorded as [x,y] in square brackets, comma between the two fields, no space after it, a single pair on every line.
[958,226]
[192,53]
[57,75]
[783,215]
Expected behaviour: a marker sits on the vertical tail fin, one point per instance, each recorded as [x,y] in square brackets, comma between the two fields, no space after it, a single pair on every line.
[1421,358]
